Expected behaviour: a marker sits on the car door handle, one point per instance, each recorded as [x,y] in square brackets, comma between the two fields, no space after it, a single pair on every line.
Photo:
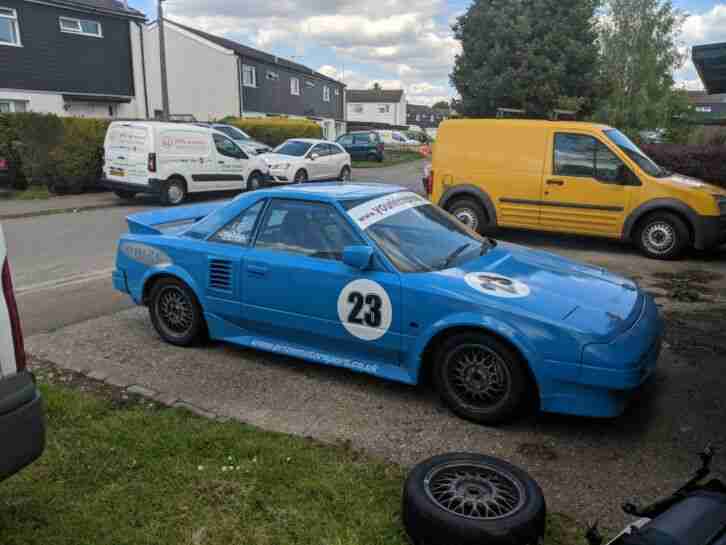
[555,182]
[257,270]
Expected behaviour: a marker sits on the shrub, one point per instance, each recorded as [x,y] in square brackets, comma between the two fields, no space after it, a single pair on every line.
[8,150]
[707,163]
[708,136]
[273,131]
[35,136]
[77,159]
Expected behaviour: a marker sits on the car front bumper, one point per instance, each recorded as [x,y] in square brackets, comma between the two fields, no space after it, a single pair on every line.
[22,423]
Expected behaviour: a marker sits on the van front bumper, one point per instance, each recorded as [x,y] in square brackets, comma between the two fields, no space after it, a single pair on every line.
[22,423]
[710,232]
[152,188]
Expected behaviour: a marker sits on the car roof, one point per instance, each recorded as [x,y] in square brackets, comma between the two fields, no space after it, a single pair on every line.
[310,140]
[332,191]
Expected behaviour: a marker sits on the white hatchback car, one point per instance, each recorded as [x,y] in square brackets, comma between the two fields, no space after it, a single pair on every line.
[22,422]
[302,159]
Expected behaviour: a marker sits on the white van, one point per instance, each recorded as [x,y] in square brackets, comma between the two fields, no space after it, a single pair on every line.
[398,140]
[174,159]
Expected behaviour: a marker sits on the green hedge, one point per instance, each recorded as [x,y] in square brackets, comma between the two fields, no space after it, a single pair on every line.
[65,153]
[273,131]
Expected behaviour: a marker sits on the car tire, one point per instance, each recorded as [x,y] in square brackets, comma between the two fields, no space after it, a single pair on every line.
[301,176]
[480,378]
[173,192]
[374,157]
[514,509]
[345,174]
[254,181]
[662,235]
[126,195]
[176,313]
[470,213]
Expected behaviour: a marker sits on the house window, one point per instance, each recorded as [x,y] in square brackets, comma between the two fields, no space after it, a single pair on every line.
[309,83]
[358,108]
[384,108]
[337,92]
[9,31]
[13,106]
[274,76]
[249,76]
[80,26]
[326,93]
[295,86]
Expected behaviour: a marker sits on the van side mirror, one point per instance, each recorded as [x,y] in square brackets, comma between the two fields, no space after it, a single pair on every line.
[358,257]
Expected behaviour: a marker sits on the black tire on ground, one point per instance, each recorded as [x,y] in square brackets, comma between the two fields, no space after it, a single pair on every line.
[470,499]
[173,192]
[254,181]
[176,313]
[481,379]
[662,235]
[301,176]
[373,157]
[345,174]
[126,195]
[469,212]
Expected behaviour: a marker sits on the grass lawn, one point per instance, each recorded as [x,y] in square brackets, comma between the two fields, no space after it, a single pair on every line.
[124,471]
[390,158]
[34,192]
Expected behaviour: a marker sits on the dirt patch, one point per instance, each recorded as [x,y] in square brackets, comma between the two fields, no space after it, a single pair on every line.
[537,451]
[696,334]
[690,286]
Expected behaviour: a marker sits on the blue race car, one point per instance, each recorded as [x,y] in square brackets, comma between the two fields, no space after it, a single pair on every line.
[376,279]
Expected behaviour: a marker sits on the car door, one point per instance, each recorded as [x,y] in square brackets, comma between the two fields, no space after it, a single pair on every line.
[586,190]
[333,161]
[230,164]
[316,167]
[298,292]
[347,143]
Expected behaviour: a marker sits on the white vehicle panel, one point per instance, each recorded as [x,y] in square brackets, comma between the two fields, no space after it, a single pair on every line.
[127,149]
[7,349]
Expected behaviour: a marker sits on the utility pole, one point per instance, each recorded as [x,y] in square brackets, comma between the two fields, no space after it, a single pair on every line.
[162,62]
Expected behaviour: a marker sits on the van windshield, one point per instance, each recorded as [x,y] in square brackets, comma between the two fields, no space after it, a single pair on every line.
[295,148]
[233,132]
[636,154]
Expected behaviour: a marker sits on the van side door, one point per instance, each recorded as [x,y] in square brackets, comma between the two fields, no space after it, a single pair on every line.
[230,164]
[586,186]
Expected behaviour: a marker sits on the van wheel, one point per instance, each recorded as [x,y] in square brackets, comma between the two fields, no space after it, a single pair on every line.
[126,195]
[373,157]
[662,235]
[470,213]
[480,378]
[254,181]
[174,192]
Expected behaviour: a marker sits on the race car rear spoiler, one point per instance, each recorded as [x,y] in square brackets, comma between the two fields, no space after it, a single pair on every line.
[157,221]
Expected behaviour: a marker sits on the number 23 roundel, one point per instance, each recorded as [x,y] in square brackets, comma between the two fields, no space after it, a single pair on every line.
[365,309]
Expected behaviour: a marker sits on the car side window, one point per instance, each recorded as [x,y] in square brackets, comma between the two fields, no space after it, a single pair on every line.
[305,228]
[362,139]
[332,149]
[609,168]
[319,149]
[239,230]
[575,155]
[346,141]
[226,147]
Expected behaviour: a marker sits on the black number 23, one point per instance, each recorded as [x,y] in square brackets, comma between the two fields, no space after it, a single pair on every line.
[372,315]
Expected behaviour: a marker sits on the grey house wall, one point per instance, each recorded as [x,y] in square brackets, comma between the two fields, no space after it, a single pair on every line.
[51,60]
[273,96]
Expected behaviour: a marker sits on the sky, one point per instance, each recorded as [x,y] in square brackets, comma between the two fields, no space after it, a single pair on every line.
[401,44]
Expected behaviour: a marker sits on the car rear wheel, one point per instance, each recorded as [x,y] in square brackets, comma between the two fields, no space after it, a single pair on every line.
[174,192]
[125,194]
[373,157]
[469,212]
[301,176]
[480,378]
[469,499]
[662,235]
[175,312]
[345,174]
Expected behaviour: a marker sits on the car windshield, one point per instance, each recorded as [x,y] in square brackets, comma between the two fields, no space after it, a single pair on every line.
[415,235]
[293,147]
[636,154]
[233,132]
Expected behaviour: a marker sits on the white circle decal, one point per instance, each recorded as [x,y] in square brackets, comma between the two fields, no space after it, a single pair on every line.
[497,285]
[365,309]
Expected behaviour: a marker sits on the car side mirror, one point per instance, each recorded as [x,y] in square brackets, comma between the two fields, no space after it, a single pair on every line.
[358,257]
[314,156]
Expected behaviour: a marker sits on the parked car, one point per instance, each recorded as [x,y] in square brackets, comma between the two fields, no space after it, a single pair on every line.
[363,145]
[374,278]
[571,177]
[304,160]
[172,160]
[398,140]
[22,421]
[241,138]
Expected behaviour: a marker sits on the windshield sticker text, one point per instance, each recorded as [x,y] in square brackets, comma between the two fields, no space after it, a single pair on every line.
[375,210]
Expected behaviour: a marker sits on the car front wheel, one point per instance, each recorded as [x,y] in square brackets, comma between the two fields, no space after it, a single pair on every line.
[480,378]
[175,312]
[345,174]
[301,176]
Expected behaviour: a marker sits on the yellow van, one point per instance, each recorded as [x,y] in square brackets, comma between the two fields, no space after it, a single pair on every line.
[570,177]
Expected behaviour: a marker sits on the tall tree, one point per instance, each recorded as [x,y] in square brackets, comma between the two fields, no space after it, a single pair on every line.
[640,52]
[526,54]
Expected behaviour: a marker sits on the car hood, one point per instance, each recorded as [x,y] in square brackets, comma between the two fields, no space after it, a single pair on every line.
[546,286]
[275,158]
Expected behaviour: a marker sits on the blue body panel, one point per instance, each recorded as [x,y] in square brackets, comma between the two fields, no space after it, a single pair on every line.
[589,337]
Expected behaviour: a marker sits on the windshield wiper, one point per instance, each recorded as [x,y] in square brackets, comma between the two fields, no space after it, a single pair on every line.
[487,245]
[453,255]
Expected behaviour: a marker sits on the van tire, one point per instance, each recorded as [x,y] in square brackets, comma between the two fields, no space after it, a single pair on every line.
[126,195]
[469,212]
[173,192]
[374,157]
[662,235]
[254,181]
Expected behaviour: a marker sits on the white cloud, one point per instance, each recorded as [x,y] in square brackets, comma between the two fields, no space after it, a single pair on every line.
[703,28]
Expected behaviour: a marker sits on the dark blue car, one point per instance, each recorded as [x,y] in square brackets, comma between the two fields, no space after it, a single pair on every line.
[363,145]
[376,279]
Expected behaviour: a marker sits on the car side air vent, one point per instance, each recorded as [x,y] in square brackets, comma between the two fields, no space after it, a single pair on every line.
[220,274]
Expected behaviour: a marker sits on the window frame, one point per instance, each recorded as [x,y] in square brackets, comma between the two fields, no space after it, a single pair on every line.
[295,86]
[228,139]
[15,23]
[595,175]
[13,105]
[384,108]
[249,69]
[326,93]
[253,233]
[80,31]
